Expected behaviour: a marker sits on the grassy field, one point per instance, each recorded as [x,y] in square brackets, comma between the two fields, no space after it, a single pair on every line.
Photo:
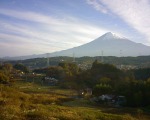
[31,101]
[30,87]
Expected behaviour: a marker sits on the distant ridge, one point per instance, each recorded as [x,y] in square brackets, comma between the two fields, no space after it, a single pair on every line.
[110,43]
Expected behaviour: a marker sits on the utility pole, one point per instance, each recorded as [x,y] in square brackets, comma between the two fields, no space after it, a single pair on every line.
[102,59]
[47,59]
[74,58]
[120,53]
[0,61]
[120,57]
[33,77]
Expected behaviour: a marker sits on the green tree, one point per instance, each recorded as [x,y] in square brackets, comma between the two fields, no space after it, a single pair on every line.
[6,68]
[21,67]
[55,72]
[71,72]
[104,80]
[138,98]
[3,78]
[101,89]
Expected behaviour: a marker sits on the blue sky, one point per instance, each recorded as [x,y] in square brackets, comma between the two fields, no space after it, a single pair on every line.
[42,26]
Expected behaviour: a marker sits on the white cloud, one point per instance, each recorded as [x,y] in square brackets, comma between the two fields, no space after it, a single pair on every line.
[134,12]
[25,45]
[97,5]
[29,16]
[48,34]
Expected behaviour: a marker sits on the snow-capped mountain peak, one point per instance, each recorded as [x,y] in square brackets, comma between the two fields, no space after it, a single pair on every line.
[110,35]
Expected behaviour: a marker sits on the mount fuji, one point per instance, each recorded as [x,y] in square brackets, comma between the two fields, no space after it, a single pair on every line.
[108,44]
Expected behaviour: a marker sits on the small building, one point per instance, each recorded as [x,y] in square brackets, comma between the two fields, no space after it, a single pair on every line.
[106,97]
[50,80]
[112,100]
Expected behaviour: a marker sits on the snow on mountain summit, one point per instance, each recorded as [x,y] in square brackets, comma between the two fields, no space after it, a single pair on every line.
[110,35]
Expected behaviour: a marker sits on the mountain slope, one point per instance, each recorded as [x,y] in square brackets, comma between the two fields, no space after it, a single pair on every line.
[109,44]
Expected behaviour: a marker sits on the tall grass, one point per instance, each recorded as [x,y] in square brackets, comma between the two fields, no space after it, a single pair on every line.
[17,105]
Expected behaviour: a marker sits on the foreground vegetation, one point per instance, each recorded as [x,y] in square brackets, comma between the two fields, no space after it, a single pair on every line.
[24,96]
[18,105]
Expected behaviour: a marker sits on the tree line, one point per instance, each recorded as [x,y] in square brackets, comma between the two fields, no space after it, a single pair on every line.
[104,79]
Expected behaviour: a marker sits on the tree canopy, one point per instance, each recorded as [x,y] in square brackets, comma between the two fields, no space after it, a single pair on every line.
[21,67]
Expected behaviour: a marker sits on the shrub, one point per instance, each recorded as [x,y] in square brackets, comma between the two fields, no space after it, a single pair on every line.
[3,78]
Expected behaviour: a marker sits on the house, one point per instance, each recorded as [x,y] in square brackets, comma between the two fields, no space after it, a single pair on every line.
[112,100]
[106,97]
[50,80]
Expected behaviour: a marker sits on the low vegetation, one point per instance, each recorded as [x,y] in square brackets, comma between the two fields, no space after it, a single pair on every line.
[140,61]
[16,105]
[23,96]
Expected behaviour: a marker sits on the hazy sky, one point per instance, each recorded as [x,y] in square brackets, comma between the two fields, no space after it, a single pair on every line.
[42,26]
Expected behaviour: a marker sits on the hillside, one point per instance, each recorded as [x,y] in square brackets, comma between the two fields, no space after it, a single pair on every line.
[110,44]
[140,61]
